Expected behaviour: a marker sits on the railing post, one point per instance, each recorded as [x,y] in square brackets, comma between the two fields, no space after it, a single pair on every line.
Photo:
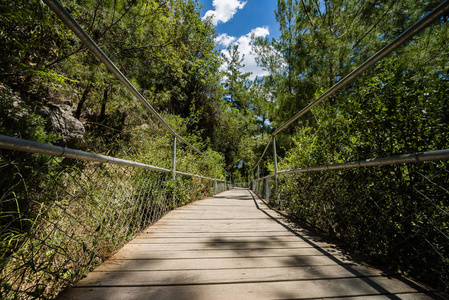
[215,183]
[276,187]
[226,182]
[174,159]
[252,180]
[258,181]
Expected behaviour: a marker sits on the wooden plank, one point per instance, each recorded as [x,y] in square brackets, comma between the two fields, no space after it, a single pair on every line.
[224,276]
[249,240]
[190,217]
[194,217]
[305,289]
[213,230]
[218,263]
[211,234]
[217,221]
[404,296]
[212,245]
[142,252]
[256,226]
[247,233]
[216,239]
[222,226]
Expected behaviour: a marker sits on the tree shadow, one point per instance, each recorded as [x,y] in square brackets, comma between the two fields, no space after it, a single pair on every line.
[268,260]
[347,260]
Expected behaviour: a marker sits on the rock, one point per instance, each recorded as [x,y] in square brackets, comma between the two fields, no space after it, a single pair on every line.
[62,122]
[14,106]
[15,111]
[144,126]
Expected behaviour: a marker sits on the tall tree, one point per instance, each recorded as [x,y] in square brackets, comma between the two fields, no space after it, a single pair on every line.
[236,82]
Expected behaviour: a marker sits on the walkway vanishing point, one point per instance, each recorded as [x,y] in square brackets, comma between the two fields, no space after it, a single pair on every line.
[232,246]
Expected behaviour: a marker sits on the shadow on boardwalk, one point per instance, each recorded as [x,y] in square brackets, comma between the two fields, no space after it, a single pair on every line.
[232,246]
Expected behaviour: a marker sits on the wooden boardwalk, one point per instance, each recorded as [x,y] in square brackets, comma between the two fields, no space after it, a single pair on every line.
[233,247]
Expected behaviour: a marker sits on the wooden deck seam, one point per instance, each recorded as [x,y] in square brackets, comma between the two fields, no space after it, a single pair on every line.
[233,282]
[210,269]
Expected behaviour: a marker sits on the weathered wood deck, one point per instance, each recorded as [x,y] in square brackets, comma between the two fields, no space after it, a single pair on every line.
[232,246]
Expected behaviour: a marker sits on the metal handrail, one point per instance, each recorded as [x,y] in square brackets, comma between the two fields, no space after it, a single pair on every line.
[409,33]
[198,176]
[16,144]
[73,25]
[263,153]
[417,157]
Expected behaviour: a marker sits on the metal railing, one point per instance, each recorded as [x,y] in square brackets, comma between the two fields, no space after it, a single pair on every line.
[353,202]
[396,215]
[63,214]
[63,211]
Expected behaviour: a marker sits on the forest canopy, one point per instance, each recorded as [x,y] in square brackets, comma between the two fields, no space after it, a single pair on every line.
[168,52]
[164,49]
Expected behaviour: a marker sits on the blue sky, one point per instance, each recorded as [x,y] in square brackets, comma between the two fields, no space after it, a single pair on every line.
[236,20]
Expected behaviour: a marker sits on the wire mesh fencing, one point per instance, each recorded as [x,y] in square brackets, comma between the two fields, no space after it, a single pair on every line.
[265,189]
[222,186]
[245,185]
[397,215]
[60,217]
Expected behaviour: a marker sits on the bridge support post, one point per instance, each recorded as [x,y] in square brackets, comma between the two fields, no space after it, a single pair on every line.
[252,180]
[226,182]
[174,160]
[215,182]
[257,188]
[276,187]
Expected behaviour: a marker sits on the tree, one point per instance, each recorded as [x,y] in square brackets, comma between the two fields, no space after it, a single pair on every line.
[236,82]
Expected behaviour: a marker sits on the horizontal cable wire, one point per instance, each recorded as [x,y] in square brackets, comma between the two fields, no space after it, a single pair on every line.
[16,144]
[436,155]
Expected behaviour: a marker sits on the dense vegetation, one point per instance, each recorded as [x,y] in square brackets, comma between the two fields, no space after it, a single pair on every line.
[396,215]
[59,216]
[163,47]
[401,105]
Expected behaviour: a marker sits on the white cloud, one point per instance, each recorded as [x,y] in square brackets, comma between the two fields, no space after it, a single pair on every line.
[245,48]
[260,32]
[224,39]
[224,10]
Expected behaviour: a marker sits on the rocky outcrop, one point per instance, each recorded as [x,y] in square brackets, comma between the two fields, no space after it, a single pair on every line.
[62,122]
[15,113]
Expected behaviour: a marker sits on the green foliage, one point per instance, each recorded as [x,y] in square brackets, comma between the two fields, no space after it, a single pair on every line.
[164,48]
[76,218]
[61,216]
[235,80]
[30,36]
[396,215]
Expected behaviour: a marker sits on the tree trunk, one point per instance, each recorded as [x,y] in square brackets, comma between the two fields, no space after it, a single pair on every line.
[103,104]
[81,103]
